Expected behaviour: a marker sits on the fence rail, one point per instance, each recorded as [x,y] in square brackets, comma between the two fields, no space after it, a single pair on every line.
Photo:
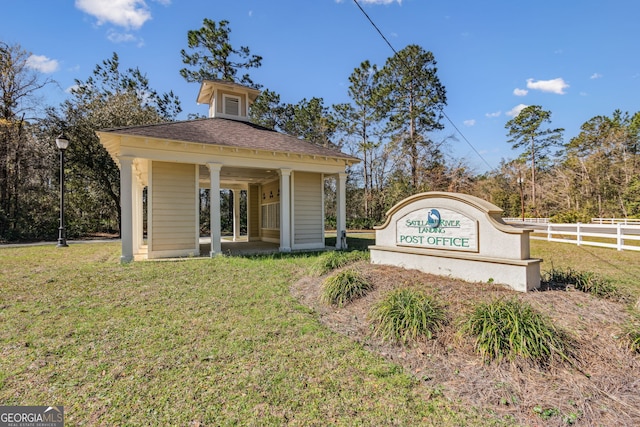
[527,220]
[616,236]
[625,221]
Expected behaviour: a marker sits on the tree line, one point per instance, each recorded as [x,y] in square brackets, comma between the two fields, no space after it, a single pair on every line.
[394,111]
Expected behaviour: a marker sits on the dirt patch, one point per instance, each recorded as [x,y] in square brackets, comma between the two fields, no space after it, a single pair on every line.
[602,387]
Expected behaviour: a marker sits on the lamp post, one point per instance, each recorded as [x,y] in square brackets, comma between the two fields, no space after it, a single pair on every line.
[62,142]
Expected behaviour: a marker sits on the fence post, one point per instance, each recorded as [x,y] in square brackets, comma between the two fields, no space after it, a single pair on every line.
[548,231]
[620,239]
[578,237]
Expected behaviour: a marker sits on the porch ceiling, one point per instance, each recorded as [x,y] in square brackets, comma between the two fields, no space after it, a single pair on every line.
[235,175]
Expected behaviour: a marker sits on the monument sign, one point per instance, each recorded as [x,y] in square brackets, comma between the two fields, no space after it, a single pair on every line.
[456,235]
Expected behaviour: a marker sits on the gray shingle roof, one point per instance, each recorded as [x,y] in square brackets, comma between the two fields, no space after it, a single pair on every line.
[230,133]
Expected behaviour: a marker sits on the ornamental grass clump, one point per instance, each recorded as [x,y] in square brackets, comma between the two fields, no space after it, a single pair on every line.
[510,328]
[344,287]
[333,260]
[584,281]
[404,315]
[632,336]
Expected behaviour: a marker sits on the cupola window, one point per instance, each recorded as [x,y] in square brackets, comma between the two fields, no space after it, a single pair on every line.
[231,105]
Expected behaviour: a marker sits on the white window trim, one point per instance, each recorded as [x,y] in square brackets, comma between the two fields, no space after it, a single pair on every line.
[225,97]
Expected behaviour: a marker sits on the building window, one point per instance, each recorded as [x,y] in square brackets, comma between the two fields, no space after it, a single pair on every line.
[271,216]
[231,105]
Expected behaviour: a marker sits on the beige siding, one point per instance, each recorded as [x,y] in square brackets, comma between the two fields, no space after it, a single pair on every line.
[270,192]
[269,195]
[253,211]
[307,208]
[271,235]
[173,207]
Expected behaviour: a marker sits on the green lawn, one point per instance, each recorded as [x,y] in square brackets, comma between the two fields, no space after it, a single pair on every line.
[621,267]
[208,342]
[195,342]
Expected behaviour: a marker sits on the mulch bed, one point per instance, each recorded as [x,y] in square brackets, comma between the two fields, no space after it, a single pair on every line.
[600,387]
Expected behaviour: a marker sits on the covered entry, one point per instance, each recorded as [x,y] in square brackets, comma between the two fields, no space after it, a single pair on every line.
[283,177]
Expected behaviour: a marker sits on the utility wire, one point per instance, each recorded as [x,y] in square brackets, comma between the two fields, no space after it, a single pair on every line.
[406,65]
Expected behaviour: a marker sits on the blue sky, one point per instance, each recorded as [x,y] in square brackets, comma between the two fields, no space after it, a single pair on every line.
[575,59]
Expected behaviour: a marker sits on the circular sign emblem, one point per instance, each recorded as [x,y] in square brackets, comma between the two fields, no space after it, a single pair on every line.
[433,218]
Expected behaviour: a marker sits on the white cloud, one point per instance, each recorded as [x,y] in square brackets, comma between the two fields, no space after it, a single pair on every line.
[520,92]
[117,37]
[595,76]
[42,63]
[516,110]
[470,122]
[494,115]
[554,86]
[124,13]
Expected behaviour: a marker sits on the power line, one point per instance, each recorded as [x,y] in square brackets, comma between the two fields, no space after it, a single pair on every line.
[406,65]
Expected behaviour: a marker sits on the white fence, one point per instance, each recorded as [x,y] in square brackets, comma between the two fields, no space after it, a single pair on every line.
[625,221]
[527,220]
[614,236]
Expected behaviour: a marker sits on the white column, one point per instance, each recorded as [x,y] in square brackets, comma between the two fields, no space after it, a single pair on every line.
[138,210]
[126,208]
[341,210]
[236,215]
[285,210]
[214,171]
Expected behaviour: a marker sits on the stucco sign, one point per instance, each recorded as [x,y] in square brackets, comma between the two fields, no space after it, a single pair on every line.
[456,235]
[437,228]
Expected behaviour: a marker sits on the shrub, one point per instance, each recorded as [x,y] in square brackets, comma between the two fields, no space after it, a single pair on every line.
[332,260]
[405,314]
[632,336]
[586,281]
[344,287]
[511,328]
[571,217]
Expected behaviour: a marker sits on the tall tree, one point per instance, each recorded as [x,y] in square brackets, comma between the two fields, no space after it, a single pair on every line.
[21,154]
[527,130]
[267,111]
[361,119]
[211,55]
[415,98]
[310,120]
[602,160]
[109,98]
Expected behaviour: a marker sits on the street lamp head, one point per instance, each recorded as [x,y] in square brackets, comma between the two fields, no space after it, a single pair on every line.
[62,141]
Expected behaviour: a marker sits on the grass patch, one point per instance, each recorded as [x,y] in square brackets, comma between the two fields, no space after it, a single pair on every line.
[620,267]
[631,334]
[196,342]
[344,286]
[332,260]
[509,328]
[405,315]
[584,281]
